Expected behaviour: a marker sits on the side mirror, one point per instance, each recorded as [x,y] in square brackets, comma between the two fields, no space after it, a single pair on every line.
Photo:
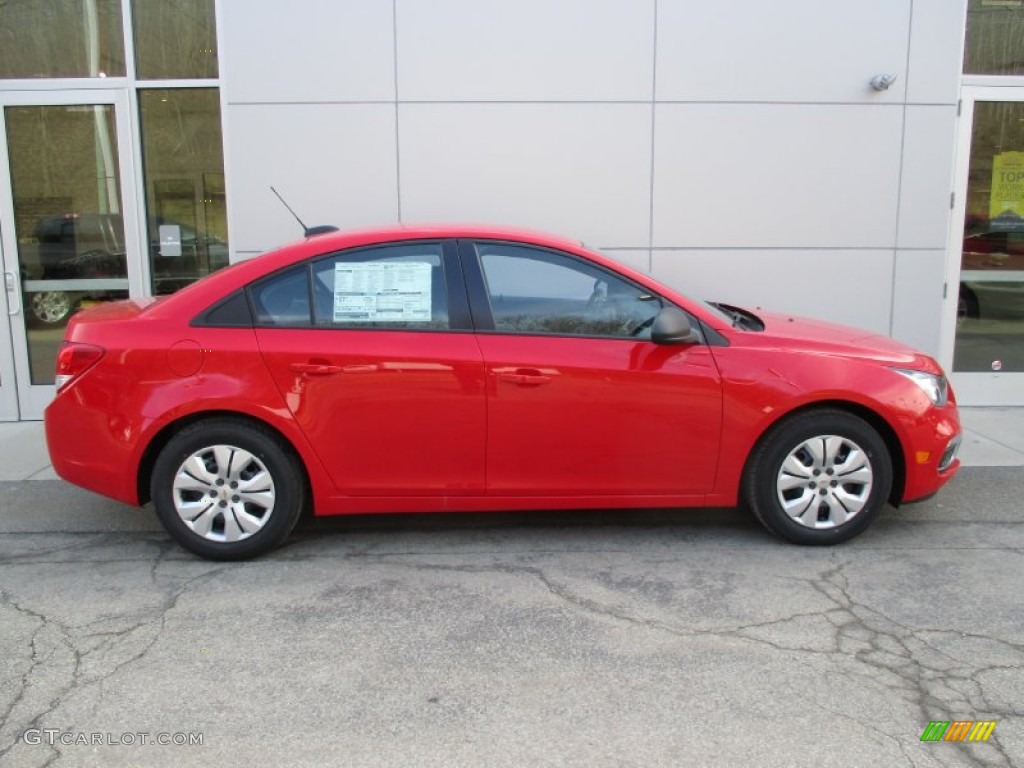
[672,326]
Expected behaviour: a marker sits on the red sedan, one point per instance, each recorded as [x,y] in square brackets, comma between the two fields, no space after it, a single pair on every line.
[415,369]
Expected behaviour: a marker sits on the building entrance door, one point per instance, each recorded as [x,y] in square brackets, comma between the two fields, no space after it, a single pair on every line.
[987,251]
[69,228]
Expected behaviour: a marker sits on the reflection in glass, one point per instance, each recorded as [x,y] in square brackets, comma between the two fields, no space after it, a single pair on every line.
[183,163]
[995,38]
[990,323]
[175,39]
[536,291]
[67,215]
[55,38]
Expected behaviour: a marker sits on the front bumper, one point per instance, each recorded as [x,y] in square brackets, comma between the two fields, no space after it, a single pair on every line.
[931,452]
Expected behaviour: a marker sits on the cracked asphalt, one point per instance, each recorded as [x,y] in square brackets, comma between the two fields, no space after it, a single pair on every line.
[598,639]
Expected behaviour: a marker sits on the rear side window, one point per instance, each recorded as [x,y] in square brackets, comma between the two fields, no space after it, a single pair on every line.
[231,312]
[392,287]
[283,299]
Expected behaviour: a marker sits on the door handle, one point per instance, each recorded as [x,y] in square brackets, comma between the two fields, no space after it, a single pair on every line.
[524,377]
[358,368]
[11,283]
[315,369]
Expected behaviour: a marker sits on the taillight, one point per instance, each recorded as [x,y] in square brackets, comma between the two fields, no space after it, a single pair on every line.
[74,359]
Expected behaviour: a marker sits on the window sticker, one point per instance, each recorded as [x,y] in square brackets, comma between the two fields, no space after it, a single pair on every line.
[381,292]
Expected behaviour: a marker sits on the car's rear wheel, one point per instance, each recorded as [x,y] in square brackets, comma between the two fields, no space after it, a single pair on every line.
[819,477]
[227,490]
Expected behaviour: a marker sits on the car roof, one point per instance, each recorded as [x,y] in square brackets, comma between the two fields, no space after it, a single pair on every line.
[412,231]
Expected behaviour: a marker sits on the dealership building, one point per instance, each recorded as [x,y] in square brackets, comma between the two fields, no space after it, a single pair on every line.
[859,162]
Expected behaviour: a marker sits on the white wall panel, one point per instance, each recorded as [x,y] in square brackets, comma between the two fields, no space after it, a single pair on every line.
[334,164]
[638,259]
[852,287]
[927,176]
[918,303]
[581,170]
[936,42]
[493,50]
[757,175]
[314,50]
[784,50]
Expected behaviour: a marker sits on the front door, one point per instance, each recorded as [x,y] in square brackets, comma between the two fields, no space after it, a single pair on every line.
[580,400]
[987,259]
[69,232]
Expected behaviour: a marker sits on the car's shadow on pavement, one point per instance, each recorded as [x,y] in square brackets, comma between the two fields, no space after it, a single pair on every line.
[544,530]
[447,521]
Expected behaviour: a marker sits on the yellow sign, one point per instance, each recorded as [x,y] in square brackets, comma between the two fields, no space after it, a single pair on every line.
[1006,205]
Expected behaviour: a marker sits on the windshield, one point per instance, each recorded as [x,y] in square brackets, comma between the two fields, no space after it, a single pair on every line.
[712,309]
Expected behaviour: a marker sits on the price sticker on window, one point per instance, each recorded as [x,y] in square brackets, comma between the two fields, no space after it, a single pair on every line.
[382,292]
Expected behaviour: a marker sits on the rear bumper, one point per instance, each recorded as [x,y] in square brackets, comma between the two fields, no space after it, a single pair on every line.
[90,448]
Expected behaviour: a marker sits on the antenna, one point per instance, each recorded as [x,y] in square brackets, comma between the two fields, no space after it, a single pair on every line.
[309,231]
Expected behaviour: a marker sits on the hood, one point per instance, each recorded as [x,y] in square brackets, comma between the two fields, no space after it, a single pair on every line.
[833,339]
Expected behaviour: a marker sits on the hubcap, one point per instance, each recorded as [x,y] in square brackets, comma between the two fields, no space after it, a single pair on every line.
[224,493]
[825,481]
[51,306]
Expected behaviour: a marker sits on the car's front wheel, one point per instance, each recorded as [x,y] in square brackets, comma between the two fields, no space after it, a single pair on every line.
[227,490]
[819,477]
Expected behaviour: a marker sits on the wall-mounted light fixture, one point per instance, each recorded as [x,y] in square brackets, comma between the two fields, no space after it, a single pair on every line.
[882,82]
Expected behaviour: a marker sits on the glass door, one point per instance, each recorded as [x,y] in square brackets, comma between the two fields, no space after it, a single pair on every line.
[988,249]
[70,233]
[9,305]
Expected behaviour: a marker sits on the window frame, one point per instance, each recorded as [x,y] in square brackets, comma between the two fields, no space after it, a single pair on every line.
[459,317]
[480,303]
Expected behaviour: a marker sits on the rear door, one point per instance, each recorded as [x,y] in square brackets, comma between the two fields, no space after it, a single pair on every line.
[373,352]
[580,401]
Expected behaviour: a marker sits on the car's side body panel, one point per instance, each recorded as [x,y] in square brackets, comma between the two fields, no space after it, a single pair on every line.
[757,395]
[357,505]
[393,413]
[137,391]
[599,416]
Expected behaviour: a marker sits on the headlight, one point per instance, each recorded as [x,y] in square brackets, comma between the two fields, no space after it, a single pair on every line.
[934,386]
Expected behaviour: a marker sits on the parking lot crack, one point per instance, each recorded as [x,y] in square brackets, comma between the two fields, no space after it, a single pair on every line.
[48,639]
[864,641]
[57,651]
[903,660]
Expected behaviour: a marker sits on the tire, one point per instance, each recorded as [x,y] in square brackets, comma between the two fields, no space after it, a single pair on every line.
[52,307]
[228,490]
[967,305]
[819,477]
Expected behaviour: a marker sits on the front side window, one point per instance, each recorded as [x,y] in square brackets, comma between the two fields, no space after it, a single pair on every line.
[390,287]
[537,291]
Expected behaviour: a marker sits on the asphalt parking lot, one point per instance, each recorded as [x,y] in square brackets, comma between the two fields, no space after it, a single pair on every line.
[626,639]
